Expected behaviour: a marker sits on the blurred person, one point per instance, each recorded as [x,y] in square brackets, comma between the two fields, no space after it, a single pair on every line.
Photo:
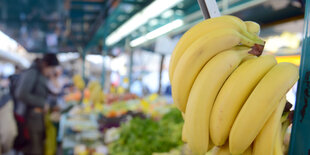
[14,78]
[18,69]
[32,91]
[8,129]
[55,83]
[55,87]
[168,90]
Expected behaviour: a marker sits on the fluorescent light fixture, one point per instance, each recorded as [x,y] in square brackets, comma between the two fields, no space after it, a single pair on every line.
[14,57]
[164,29]
[7,43]
[153,22]
[158,32]
[10,50]
[95,59]
[167,13]
[153,10]
[64,57]
[138,41]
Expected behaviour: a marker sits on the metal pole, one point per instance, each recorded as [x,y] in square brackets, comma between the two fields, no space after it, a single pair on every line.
[300,136]
[103,73]
[130,51]
[83,53]
[83,67]
[130,68]
[209,8]
[104,52]
[160,72]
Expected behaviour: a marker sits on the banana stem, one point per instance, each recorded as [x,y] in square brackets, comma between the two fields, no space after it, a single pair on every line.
[253,37]
[284,117]
[285,125]
[257,50]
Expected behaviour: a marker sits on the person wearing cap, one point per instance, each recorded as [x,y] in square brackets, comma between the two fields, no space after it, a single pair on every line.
[33,92]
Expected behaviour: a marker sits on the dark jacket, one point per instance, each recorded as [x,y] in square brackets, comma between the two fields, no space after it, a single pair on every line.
[33,92]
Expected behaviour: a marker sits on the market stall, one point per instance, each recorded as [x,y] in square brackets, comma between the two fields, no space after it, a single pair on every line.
[157,77]
[99,123]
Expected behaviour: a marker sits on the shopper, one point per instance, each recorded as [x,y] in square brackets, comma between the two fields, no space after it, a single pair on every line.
[33,92]
[8,130]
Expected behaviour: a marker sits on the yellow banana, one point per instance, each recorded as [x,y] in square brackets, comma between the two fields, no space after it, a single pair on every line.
[234,93]
[206,26]
[203,94]
[248,58]
[183,115]
[259,106]
[252,27]
[223,150]
[265,141]
[184,139]
[95,93]
[211,145]
[284,142]
[78,81]
[278,146]
[248,151]
[197,55]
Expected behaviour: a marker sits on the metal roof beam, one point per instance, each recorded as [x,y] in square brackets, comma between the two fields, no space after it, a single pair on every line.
[79,20]
[95,3]
[81,13]
[133,2]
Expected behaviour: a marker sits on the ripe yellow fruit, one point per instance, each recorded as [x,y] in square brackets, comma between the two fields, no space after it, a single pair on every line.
[234,93]
[260,105]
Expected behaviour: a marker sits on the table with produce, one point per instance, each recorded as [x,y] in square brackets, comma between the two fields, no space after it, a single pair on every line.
[122,126]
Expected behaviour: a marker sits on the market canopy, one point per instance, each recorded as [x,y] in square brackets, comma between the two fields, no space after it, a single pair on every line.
[94,25]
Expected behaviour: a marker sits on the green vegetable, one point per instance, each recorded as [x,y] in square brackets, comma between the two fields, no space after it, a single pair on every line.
[145,136]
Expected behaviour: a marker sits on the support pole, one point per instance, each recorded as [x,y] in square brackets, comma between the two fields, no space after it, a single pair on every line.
[83,52]
[83,67]
[162,59]
[130,51]
[130,68]
[103,73]
[300,136]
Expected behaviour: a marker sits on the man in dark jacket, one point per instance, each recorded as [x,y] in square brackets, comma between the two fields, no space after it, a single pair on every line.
[32,91]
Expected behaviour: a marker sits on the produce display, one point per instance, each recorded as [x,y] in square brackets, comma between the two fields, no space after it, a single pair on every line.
[230,96]
[140,125]
[145,136]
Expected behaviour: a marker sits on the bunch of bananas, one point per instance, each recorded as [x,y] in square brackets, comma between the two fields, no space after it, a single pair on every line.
[96,92]
[230,96]
[97,96]
[78,81]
